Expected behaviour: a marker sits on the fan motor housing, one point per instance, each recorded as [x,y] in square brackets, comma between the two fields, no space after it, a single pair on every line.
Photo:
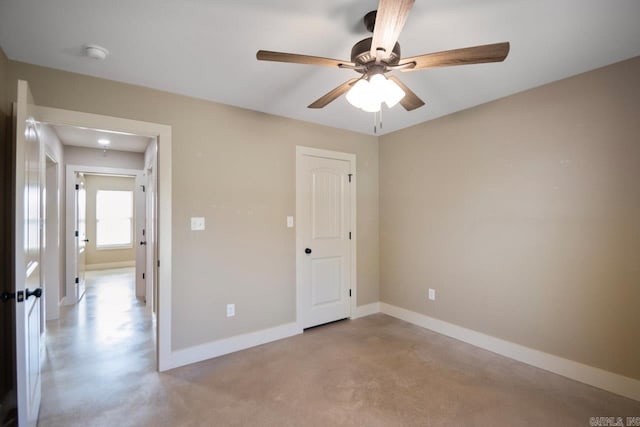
[361,53]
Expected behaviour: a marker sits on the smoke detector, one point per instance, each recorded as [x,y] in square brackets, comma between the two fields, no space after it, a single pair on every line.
[96,52]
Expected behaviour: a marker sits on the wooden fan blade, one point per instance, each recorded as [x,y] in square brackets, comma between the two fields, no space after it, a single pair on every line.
[390,19]
[410,100]
[267,55]
[333,95]
[469,55]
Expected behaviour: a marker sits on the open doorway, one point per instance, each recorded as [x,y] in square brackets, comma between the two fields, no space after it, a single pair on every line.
[28,221]
[106,320]
[109,185]
[110,224]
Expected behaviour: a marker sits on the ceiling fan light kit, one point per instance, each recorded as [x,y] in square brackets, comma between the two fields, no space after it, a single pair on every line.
[376,56]
[368,95]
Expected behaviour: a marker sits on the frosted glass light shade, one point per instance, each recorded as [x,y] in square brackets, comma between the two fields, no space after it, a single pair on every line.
[386,89]
[370,101]
[394,94]
[357,93]
[369,95]
[363,96]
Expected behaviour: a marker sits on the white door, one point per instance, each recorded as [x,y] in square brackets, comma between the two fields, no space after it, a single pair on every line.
[323,237]
[141,239]
[81,233]
[28,252]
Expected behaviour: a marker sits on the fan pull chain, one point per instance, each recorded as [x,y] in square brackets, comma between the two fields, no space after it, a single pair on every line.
[377,120]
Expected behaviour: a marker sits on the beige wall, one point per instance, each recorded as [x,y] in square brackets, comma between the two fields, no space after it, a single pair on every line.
[524,215]
[236,168]
[100,158]
[105,256]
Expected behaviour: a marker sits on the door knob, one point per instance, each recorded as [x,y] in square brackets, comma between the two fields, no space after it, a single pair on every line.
[86,240]
[143,243]
[36,293]
[307,251]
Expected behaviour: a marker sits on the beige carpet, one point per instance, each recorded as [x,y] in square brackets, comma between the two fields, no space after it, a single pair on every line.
[374,371]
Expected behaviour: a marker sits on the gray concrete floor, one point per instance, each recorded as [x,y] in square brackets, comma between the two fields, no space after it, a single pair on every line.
[374,371]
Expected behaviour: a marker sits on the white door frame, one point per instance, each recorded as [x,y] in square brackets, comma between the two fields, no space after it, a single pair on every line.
[151,228]
[71,294]
[300,245]
[52,240]
[163,133]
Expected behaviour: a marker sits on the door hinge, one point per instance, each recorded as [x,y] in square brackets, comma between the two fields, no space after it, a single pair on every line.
[143,276]
[349,235]
[78,186]
[76,233]
[158,263]
[143,189]
[349,293]
[77,280]
[350,175]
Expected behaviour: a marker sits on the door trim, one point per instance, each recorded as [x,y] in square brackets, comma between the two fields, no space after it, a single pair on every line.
[71,295]
[337,155]
[163,134]
[52,255]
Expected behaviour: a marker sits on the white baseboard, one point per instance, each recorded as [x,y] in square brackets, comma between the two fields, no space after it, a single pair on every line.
[67,300]
[109,265]
[615,383]
[229,345]
[366,310]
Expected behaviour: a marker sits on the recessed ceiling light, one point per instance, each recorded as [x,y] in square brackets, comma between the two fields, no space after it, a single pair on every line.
[96,52]
[104,141]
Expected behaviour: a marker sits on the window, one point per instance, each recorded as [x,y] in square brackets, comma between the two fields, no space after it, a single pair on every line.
[114,219]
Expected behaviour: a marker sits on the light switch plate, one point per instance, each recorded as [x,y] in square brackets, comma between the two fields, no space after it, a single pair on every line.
[231,310]
[432,294]
[197,223]
[290,222]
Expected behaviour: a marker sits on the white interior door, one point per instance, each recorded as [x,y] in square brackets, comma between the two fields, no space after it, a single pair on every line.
[141,236]
[28,257]
[81,234]
[324,264]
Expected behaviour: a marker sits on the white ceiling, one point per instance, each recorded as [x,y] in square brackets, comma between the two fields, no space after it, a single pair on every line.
[206,48]
[82,137]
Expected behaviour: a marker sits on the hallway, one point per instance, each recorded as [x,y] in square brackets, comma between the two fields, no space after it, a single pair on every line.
[94,350]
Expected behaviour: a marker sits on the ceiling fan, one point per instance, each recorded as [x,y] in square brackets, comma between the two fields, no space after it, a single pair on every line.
[376,56]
